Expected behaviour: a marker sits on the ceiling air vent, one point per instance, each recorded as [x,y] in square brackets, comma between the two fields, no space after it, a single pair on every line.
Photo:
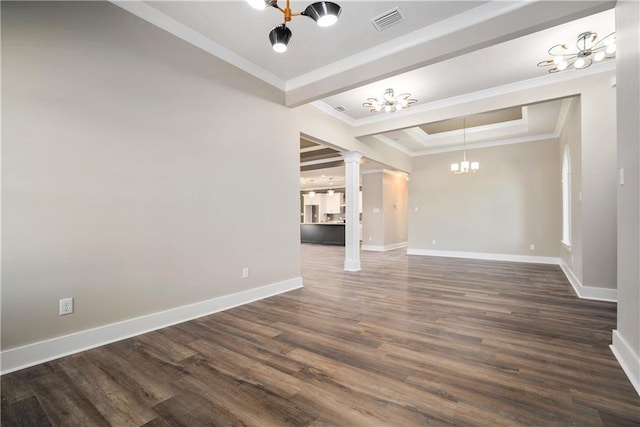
[387,19]
[341,108]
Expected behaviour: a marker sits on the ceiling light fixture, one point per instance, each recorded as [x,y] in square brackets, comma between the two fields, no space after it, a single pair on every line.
[324,13]
[586,52]
[330,192]
[311,193]
[389,102]
[464,166]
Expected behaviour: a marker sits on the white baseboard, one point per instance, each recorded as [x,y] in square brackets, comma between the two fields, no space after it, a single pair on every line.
[585,292]
[588,292]
[43,351]
[627,358]
[377,248]
[487,256]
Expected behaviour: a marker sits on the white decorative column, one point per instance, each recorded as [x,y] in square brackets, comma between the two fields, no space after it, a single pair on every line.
[352,225]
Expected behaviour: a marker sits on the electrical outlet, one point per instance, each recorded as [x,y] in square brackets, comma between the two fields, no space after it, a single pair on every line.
[532,247]
[433,242]
[245,272]
[66,306]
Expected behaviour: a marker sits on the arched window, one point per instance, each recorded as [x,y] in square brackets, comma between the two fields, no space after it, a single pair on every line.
[566,197]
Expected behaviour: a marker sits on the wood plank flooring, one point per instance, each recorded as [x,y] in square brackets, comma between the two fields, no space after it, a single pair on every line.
[407,341]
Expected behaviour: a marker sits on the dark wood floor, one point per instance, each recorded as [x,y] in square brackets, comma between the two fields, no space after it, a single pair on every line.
[408,341]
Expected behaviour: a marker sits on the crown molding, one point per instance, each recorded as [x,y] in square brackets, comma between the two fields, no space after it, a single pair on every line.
[322,161]
[446,138]
[178,29]
[384,171]
[496,143]
[390,142]
[327,109]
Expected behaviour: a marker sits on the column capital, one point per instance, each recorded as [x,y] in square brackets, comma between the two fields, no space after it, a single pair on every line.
[352,157]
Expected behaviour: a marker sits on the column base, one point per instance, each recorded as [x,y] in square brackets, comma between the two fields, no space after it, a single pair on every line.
[352,265]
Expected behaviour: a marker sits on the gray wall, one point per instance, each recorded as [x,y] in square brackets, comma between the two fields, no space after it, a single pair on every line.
[512,202]
[598,107]
[372,214]
[395,190]
[590,133]
[384,209]
[628,122]
[133,168]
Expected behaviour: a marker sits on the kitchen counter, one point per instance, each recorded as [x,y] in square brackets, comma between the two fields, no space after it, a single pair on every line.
[322,233]
[322,223]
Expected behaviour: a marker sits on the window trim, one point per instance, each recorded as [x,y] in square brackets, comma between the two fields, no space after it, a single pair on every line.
[566,198]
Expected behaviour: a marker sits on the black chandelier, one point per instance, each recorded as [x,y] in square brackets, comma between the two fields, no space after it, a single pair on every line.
[588,50]
[324,13]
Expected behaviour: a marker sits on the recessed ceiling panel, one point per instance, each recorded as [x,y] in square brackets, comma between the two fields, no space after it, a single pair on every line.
[475,120]
[305,143]
[541,120]
[325,153]
[403,139]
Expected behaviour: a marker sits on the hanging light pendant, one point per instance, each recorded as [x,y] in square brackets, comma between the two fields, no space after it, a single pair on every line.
[324,13]
[261,4]
[464,166]
[279,38]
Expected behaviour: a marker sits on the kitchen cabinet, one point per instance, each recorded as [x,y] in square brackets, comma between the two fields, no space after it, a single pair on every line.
[332,203]
[315,200]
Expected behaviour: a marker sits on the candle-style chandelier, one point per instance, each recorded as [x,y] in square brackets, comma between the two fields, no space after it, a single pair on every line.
[586,51]
[464,166]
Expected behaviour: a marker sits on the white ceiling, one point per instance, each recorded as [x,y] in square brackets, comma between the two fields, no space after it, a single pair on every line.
[443,51]
[244,30]
[538,121]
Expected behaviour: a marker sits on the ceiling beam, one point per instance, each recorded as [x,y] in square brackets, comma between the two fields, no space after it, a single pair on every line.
[551,86]
[316,166]
[322,161]
[486,25]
